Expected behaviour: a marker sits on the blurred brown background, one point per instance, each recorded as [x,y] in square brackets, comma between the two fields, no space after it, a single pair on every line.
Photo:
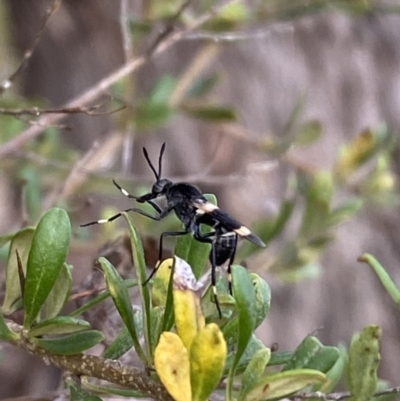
[348,69]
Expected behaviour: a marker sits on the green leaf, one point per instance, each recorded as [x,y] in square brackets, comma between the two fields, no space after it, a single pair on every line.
[5,333]
[245,297]
[357,152]
[21,242]
[312,354]
[282,384]
[226,302]
[212,113]
[324,360]
[163,89]
[364,359]
[156,323]
[318,199]
[121,345]
[139,27]
[335,373]
[59,294]
[100,298]
[263,298]
[228,18]
[160,9]
[71,344]
[307,350]
[183,244]
[122,302]
[383,276]
[59,325]
[4,239]
[280,358]
[77,394]
[169,313]
[203,86]
[109,390]
[198,255]
[309,132]
[254,371]
[255,345]
[345,212]
[140,268]
[49,249]
[150,115]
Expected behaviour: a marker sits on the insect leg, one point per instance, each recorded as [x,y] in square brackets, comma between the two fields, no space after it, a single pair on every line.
[103,221]
[214,281]
[231,259]
[206,238]
[162,214]
[124,191]
[130,196]
[160,250]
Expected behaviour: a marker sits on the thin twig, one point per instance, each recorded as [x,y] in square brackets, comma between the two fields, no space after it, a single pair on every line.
[28,53]
[37,112]
[94,92]
[93,366]
[202,59]
[86,293]
[240,35]
[168,29]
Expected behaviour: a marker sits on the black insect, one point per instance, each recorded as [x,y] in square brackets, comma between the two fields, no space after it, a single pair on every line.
[193,210]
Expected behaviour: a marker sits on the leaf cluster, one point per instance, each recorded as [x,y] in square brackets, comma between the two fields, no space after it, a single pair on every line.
[195,353]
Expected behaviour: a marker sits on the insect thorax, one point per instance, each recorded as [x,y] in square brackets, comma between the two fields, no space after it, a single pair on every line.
[181,196]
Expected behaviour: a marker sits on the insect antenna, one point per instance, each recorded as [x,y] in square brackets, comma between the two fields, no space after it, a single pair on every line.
[160,160]
[146,155]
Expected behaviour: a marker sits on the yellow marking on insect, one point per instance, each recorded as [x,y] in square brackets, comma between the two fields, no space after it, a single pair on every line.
[102,221]
[214,290]
[206,207]
[243,231]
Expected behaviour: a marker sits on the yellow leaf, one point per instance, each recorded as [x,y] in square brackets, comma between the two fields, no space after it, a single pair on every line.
[160,283]
[357,152]
[171,360]
[189,318]
[207,361]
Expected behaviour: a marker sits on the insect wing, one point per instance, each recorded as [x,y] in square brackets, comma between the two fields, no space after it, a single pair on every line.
[231,224]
